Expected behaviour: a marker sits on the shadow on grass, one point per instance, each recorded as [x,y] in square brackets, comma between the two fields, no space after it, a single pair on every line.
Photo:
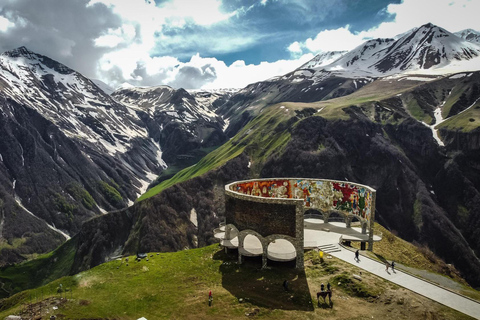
[325,305]
[264,288]
[381,258]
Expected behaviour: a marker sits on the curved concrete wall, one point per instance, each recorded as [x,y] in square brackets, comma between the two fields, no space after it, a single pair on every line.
[325,195]
[274,208]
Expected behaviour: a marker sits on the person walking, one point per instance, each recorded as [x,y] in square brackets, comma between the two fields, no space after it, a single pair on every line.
[393,266]
[329,287]
[357,253]
[387,265]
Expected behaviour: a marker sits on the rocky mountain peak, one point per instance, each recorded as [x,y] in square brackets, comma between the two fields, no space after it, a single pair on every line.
[19,52]
[469,35]
[428,47]
[33,60]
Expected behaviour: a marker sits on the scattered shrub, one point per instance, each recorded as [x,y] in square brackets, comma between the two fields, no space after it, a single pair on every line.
[111,194]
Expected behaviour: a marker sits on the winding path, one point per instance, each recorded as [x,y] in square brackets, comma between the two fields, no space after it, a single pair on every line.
[427,289]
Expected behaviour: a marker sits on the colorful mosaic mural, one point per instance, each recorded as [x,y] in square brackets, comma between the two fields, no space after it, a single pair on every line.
[324,195]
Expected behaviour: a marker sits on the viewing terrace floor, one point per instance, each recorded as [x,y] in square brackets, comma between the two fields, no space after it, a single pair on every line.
[316,233]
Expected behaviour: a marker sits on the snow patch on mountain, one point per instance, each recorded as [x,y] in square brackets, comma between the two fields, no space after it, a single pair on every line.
[19,202]
[102,85]
[76,104]
[469,35]
[193,217]
[323,59]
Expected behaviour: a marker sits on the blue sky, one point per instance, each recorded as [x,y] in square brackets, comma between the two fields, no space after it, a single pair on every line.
[210,43]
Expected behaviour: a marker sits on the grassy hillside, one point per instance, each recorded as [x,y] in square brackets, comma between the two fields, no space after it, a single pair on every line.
[270,130]
[259,138]
[176,286]
[465,121]
[37,272]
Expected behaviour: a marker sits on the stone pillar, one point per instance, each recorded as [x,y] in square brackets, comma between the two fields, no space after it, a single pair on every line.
[364,227]
[371,222]
[326,215]
[265,252]
[348,222]
[227,232]
[300,213]
[299,262]
[240,246]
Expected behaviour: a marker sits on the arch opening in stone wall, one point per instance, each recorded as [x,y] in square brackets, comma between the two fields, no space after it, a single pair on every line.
[228,235]
[314,213]
[281,250]
[251,243]
[336,216]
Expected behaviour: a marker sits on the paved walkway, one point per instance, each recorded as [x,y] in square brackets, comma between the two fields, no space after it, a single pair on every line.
[414,284]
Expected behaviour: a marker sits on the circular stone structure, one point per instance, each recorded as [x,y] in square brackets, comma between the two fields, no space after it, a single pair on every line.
[265,217]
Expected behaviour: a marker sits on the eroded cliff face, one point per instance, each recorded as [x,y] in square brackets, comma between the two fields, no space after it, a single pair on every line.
[421,191]
[460,140]
[48,184]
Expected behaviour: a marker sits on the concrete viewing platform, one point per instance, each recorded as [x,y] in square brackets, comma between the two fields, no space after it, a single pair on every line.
[316,234]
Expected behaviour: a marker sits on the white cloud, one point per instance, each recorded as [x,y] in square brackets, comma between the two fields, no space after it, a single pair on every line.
[333,40]
[113,37]
[120,67]
[5,24]
[295,48]
[239,74]
[453,15]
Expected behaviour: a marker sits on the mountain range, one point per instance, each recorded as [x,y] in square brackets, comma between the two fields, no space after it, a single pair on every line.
[401,115]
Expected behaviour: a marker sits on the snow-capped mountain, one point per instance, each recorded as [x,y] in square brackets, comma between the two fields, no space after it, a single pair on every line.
[70,100]
[179,104]
[469,35]
[428,49]
[180,121]
[323,59]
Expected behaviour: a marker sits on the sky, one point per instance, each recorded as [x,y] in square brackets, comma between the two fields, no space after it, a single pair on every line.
[196,44]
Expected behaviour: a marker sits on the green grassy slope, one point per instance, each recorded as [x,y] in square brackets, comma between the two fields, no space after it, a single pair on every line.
[176,285]
[465,121]
[259,138]
[37,272]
